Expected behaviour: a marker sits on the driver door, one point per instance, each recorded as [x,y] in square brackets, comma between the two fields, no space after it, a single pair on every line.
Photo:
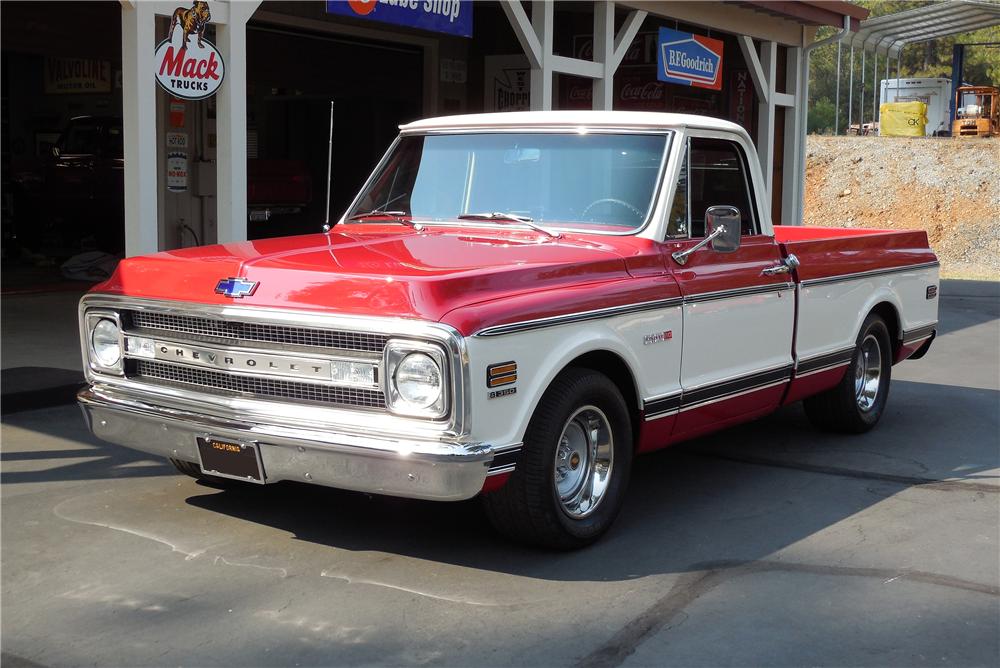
[738,318]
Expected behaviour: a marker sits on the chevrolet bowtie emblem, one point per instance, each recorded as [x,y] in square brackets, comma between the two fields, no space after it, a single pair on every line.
[235,287]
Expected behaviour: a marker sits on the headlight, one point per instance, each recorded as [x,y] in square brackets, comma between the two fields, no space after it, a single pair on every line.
[105,342]
[416,379]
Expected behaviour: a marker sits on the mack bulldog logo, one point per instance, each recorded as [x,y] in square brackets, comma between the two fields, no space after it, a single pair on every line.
[191,67]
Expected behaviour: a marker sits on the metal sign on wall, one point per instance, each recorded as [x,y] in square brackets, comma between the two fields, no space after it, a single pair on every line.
[187,65]
[77,75]
[689,60]
[453,17]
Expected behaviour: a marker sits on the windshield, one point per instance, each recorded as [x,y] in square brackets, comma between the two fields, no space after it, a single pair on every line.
[974,104]
[574,180]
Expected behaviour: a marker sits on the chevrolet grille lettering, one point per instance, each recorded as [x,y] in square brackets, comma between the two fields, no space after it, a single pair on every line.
[264,363]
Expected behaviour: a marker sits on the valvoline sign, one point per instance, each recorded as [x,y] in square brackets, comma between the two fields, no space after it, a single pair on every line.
[689,60]
[453,17]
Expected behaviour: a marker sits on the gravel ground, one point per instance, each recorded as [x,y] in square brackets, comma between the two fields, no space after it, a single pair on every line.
[948,187]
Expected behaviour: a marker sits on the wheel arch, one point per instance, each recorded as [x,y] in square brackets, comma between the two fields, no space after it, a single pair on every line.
[890,314]
[886,303]
[614,366]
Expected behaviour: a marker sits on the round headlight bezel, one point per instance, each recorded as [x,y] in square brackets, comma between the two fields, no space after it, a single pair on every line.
[400,355]
[405,380]
[104,340]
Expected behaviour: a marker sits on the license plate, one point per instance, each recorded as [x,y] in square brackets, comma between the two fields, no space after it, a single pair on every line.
[230,459]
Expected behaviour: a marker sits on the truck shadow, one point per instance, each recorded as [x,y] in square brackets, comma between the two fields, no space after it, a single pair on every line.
[735,496]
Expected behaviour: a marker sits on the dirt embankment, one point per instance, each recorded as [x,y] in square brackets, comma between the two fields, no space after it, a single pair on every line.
[948,187]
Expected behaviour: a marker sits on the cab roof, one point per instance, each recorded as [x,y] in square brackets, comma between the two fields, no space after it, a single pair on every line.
[638,120]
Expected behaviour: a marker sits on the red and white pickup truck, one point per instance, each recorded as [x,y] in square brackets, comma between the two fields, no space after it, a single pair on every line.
[515,306]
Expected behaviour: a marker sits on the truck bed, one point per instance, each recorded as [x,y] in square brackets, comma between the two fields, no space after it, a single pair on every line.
[835,251]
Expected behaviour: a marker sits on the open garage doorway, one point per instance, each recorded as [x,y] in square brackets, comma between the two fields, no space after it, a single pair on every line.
[292,77]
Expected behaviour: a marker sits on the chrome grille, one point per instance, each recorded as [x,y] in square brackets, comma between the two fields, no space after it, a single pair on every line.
[231,331]
[281,390]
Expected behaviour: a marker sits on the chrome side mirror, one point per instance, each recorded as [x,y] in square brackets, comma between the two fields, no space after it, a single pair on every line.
[722,230]
[727,220]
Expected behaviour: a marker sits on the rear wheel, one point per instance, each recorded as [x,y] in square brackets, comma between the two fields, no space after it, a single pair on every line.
[569,485]
[856,404]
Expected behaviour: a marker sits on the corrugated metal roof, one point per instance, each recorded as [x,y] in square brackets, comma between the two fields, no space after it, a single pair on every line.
[890,33]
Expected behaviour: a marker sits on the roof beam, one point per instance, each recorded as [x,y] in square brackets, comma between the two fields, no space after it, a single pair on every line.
[524,31]
[627,33]
[760,83]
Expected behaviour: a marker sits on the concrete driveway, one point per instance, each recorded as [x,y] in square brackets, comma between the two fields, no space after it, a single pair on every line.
[766,544]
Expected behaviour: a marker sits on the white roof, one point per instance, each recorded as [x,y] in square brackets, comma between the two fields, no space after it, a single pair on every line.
[645,120]
[889,33]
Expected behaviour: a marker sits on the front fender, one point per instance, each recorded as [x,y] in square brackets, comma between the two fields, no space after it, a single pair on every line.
[541,354]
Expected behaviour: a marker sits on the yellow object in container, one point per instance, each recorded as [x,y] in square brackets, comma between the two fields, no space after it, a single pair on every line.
[902,119]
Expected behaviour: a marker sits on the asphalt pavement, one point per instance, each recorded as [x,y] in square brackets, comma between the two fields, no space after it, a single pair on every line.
[767,544]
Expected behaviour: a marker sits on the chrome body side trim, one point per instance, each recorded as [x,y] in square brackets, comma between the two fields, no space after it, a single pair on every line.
[919,334]
[597,314]
[442,470]
[738,292]
[714,392]
[614,311]
[505,459]
[824,361]
[868,274]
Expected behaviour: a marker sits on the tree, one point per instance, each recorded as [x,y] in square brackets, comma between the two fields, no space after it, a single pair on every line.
[821,115]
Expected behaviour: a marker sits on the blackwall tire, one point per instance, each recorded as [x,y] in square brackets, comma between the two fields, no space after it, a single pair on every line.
[570,481]
[856,404]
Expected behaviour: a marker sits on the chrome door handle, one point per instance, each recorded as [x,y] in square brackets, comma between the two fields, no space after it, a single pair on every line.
[786,266]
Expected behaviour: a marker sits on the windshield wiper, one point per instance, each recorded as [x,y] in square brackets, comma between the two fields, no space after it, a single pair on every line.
[513,217]
[396,216]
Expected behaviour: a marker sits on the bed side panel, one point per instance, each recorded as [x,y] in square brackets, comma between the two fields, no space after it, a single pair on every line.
[842,278]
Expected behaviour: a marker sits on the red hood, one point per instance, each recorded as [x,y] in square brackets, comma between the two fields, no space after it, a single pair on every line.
[382,270]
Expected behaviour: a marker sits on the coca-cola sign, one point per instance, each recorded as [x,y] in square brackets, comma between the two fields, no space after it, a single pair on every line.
[651,91]
[187,65]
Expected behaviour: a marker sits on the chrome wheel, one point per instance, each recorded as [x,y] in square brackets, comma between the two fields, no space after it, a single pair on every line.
[868,373]
[583,462]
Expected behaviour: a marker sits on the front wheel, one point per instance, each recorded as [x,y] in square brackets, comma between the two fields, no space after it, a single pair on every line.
[570,483]
[856,404]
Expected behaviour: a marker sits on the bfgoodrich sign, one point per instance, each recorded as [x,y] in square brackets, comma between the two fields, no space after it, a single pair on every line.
[689,60]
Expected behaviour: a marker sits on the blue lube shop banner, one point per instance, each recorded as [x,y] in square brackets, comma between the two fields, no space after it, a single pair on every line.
[453,17]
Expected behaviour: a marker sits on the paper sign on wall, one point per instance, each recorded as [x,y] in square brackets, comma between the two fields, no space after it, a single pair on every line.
[507,83]
[177,172]
[177,141]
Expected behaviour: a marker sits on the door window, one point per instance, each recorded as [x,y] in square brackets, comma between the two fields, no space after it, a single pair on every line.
[714,173]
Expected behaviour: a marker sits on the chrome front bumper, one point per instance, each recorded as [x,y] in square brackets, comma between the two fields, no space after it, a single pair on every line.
[418,469]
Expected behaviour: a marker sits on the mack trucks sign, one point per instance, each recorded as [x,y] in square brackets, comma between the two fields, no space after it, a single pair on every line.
[689,60]
[187,65]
